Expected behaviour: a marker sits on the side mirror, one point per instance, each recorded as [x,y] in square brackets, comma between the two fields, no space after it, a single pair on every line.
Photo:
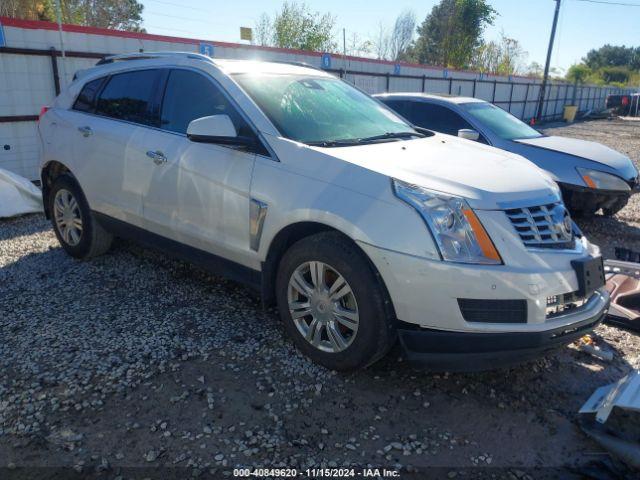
[469,134]
[216,129]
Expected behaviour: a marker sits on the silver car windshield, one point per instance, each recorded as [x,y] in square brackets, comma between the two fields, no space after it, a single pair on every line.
[323,111]
[500,122]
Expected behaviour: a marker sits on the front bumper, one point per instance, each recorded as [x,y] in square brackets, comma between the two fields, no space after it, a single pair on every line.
[517,323]
[463,351]
[427,292]
[583,199]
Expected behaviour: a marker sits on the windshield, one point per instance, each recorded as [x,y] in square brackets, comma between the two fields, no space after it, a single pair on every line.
[500,122]
[322,110]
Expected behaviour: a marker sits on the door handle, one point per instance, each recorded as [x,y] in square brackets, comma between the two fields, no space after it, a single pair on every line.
[157,157]
[85,131]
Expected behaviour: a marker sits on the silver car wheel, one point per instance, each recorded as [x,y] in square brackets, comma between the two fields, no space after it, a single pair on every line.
[68,218]
[323,306]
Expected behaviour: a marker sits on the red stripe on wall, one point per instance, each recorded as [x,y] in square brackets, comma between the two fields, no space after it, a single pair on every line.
[40,25]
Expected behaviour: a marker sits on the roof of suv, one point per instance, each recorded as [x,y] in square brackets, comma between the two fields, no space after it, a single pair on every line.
[430,96]
[226,65]
[258,66]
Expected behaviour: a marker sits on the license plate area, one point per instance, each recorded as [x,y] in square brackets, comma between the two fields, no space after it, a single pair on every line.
[590,273]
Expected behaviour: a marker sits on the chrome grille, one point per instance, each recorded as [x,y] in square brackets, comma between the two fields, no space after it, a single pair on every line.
[543,226]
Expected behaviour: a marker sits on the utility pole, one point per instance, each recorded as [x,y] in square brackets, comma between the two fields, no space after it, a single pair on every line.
[344,49]
[547,65]
[64,67]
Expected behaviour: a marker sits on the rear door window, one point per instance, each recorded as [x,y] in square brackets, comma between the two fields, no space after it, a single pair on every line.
[190,95]
[129,96]
[86,99]
[400,106]
[438,118]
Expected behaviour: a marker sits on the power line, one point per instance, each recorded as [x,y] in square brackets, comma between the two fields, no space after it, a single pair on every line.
[168,29]
[178,5]
[602,2]
[179,18]
[558,41]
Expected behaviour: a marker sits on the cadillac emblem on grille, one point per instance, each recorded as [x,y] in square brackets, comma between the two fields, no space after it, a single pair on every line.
[561,221]
[543,226]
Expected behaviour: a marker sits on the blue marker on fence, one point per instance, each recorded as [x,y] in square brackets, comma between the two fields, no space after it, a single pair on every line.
[206,49]
[326,60]
[2,41]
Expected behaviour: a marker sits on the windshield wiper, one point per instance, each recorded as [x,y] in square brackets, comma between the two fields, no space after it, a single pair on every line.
[335,143]
[391,135]
[360,141]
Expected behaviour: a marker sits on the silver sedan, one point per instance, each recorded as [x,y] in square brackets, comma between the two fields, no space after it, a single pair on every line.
[591,175]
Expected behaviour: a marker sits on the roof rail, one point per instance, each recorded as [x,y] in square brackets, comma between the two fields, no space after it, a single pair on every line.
[149,55]
[296,64]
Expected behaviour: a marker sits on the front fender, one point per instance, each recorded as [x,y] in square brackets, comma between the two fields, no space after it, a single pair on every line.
[291,198]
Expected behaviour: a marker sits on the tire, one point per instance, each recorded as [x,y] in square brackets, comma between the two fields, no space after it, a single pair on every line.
[583,213]
[90,239]
[616,207]
[360,343]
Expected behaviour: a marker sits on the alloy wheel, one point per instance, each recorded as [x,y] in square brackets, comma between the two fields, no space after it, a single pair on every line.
[323,306]
[68,218]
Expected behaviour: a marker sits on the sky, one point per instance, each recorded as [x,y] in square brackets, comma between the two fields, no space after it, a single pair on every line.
[583,25]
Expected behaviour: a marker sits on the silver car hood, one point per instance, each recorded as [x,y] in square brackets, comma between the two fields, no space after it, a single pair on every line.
[487,177]
[589,150]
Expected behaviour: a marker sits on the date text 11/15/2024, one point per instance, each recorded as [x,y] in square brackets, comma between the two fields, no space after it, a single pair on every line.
[316,473]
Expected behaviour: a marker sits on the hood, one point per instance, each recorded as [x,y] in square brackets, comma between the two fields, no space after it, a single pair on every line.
[589,150]
[485,176]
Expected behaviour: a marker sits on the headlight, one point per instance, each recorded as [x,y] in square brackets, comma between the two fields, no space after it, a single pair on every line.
[602,181]
[455,227]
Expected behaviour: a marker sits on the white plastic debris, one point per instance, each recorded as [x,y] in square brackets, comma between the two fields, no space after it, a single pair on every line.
[624,394]
[18,195]
[587,344]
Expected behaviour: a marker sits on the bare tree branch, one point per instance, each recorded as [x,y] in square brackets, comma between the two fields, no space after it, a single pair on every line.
[402,34]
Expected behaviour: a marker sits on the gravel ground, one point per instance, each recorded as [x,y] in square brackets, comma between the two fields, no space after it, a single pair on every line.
[136,365]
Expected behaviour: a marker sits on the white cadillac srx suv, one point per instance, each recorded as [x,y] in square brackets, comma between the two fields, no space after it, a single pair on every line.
[360,227]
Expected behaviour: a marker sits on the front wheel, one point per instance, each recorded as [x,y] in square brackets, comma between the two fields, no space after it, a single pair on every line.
[615,207]
[332,303]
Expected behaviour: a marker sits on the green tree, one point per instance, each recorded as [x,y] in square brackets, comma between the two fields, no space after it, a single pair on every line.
[452,32]
[263,31]
[117,14]
[503,57]
[296,26]
[578,73]
[615,75]
[535,69]
[613,56]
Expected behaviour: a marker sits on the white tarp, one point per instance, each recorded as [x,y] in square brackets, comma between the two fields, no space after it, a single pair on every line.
[18,195]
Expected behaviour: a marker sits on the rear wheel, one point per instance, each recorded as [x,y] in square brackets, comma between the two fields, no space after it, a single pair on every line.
[332,303]
[73,223]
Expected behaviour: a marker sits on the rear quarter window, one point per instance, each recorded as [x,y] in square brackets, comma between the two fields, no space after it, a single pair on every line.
[86,100]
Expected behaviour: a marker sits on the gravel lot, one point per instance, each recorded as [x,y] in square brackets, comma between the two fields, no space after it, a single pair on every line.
[136,365]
